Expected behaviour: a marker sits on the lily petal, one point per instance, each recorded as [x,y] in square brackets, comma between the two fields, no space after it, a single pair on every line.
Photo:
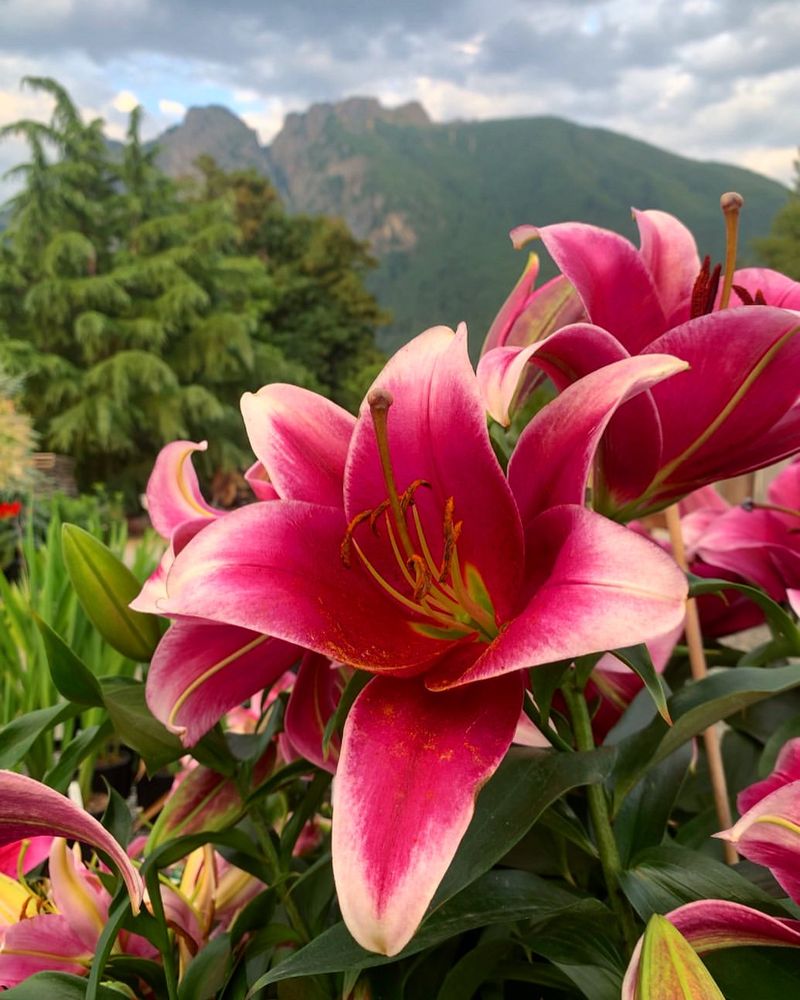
[173,493]
[669,252]
[411,765]
[78,893]
[777,289]
[769,835]
[252,569]
[29,808]
[600,587]
[313,701]
[201,670]
[301,440]
[259,482]
[555,452]
[740,383]
[786,770]
[47,943]
[35,851]
[437,433]
[611,278]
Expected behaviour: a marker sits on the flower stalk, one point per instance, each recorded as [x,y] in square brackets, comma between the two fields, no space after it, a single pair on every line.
[601,818]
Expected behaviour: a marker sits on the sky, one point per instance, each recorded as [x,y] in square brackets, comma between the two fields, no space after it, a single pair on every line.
[710,79]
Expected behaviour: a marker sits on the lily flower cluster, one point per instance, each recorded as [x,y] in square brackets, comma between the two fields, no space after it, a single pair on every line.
[395,543]
[391,554]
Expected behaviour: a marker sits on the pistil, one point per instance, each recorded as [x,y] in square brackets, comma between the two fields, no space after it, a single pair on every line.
[731,204]
[379,401]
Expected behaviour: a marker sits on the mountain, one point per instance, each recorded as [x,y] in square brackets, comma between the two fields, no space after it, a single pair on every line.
[436,201]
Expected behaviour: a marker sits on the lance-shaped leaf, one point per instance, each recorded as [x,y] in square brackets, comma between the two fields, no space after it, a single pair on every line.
[29,809]
[668,968]
[105,588]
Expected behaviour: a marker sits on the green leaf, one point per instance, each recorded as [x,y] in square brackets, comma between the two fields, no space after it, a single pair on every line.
[105,587]
[646,809]
[208,971]
[17,737]
[117,817]
[136,725]
[693,709]
[478,965]
[524,785]
[73,679]
[663,878]
[352,690]
[781,624]
[58,986]
[756,973]
[545,681]
[638,659]
[495,898]
[83,745]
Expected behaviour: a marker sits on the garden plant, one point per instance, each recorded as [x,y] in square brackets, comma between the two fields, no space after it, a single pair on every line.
[460,702]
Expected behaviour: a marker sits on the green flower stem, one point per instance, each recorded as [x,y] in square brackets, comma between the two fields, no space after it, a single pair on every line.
[276,873]
[601,819]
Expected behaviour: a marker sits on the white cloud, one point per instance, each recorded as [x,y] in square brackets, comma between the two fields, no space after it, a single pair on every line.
[125,101]
[171,109]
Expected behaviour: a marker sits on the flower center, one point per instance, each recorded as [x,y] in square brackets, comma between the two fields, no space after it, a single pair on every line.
[452,603]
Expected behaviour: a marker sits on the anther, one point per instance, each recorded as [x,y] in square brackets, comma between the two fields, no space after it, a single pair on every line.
[704,290]
[422,578]
[345,549]
[373,517]
[731,204]
[407,496]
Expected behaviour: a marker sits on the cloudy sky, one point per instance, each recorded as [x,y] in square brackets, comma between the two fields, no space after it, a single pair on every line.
[712,79]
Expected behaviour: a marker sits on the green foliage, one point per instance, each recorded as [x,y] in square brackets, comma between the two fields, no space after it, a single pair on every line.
[781,249]
[140,310]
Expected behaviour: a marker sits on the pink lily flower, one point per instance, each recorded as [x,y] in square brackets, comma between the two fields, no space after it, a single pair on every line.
[769,831]
[736,408]
[762,541]
[427,567]
[59,931]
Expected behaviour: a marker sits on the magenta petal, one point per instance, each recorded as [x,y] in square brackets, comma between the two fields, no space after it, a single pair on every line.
[741,382]
[201,670]
[555,452]
[411,765]
[513,306]
[258,481]
[669,253]
[301,439]
[253,568]
[600,587]
[712,924]
[769,835]
[29,808]
[437,432]
[173,493]
[785,488]
[36,850]
[741,541]
[777,289]
[313,701]
[42,944]
[786,770]
[611,278]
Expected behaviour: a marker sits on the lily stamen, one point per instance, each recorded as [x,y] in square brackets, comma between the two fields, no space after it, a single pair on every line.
[379,401]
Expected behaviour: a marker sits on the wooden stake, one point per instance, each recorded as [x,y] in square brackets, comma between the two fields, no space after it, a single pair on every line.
[697,661]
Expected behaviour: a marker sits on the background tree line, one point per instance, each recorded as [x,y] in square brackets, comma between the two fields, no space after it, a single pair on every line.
[139,309]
